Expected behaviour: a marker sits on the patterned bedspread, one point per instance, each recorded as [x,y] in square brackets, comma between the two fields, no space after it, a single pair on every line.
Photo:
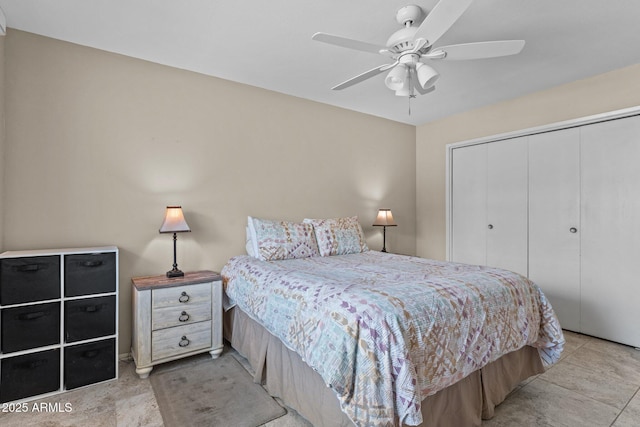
[384,331]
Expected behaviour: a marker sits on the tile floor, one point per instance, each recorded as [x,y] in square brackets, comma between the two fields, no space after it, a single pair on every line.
[596,383]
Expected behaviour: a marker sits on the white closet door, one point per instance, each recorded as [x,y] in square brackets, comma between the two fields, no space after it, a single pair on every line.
[610,239]
[469,204]
[554,221]
[507,205]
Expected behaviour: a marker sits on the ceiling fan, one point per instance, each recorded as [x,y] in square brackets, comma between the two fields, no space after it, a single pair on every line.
[410,47]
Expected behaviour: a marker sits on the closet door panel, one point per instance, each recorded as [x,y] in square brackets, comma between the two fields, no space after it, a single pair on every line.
[507,205]
[610,240]
[554,221]
[469,204]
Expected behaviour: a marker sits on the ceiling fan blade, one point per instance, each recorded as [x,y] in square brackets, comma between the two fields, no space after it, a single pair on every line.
[350,43]
[416,84]
[364,76]
[478,50]
[440,19]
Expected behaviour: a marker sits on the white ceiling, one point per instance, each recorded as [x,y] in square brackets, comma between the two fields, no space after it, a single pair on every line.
[268,44]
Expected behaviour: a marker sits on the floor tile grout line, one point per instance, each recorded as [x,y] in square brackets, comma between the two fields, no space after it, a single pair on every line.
[564,361]
[586,396]
[637,393]
[590,369]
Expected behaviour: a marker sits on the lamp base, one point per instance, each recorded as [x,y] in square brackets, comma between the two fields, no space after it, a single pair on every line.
[175,273]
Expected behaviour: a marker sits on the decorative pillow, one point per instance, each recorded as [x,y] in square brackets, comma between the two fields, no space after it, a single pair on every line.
[275,240]
[339,236]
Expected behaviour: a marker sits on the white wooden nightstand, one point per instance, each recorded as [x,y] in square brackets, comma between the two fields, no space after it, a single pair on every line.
[175,317]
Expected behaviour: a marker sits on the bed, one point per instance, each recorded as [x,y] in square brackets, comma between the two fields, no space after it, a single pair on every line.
[348,336]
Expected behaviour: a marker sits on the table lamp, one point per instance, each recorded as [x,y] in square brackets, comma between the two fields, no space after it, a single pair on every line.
[384,220]
[174,222]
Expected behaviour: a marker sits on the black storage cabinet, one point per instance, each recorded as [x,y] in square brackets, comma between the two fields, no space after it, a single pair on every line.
[89,318]
[58,320]
[29,279]
[86,274]
[29,375]
[89,363]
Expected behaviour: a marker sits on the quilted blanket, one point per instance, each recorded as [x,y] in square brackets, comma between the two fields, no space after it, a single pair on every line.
[385,331]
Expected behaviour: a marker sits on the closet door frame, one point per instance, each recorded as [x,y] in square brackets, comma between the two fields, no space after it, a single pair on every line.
[612,115]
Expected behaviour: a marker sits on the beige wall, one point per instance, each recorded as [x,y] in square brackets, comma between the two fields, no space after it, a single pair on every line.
[607,92]
[98,144]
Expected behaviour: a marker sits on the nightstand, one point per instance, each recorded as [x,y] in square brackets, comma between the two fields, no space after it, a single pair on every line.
[175,317]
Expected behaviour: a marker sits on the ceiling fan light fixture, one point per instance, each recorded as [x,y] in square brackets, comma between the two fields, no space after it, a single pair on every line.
[415,42]
[427,76]
[405,91]
[407,86]
[397,77]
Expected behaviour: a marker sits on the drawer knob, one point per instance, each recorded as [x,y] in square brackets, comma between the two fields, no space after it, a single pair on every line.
[184,316]
[183,342]
[184,297]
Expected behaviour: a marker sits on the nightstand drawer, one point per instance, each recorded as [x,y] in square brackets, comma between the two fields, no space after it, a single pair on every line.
[166,317]
[181,339]
[181,296]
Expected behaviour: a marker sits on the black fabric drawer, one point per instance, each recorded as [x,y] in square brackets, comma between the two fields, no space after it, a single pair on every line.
[87,274]
[30,326]
[89,363]
[30,375]
[89,318]
[29,279]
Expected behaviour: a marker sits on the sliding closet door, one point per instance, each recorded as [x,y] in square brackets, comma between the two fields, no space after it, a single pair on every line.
[554,221]
[469,204]
[610,240]
[507,205]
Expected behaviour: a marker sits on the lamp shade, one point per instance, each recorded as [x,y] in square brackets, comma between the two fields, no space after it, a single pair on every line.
[397,77]
[405,90]
[427,76]
[384,218]
[174,221]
